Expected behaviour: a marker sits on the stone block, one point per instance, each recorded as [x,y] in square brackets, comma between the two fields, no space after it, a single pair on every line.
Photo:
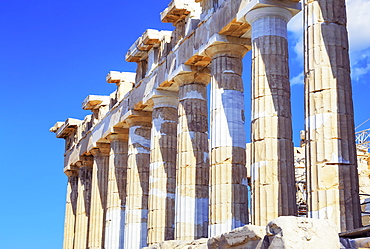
[355,243]
[296,232]
[243,238]
[95,102]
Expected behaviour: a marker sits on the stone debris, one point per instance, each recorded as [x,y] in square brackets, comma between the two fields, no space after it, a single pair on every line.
[305,233]
[283,233]
[242,237]
[355,243]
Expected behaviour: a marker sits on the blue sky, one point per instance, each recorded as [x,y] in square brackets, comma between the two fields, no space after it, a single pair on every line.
[55,53]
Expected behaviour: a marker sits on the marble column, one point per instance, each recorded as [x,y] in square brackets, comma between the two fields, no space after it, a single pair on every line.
[332,180]
[273,182]
[192,175]
[99,196]
[162,175]
[71,208]
[137,182]
[117,180]
[83,201]
[228,174]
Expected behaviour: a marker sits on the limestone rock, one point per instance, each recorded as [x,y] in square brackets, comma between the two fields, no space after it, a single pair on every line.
[243,237]
[295,232]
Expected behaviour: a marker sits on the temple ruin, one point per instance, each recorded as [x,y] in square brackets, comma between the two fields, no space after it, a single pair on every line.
[144,170]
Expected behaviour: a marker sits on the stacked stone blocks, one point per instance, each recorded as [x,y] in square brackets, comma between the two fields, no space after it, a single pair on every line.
[143,168]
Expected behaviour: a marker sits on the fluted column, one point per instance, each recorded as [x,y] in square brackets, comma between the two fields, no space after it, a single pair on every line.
[192,176]
[273,183]
[71,208]
[228,174]
[99,196]
[83,201]
[117,180]
[162,175]
[137,182]
[332,180]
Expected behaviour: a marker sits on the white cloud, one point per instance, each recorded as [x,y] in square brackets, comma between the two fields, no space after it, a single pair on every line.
[359,37]
[358,16]
[360,63]
[297,80]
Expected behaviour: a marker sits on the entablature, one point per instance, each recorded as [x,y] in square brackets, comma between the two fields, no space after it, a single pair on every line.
[125,81]
[68,128]
[120,77]
[178,10]
[68,131]
[151,38]
[187,55]
[93,102]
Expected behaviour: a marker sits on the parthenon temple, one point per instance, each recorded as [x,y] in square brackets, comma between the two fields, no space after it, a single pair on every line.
[159,164]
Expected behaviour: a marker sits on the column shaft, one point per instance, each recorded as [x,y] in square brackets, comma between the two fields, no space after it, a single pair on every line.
[117,180]
[228,175]
[162,175]
[332,180]
[137,183]
[99,196]
[83,202]
[192,176]
[71,208]
[273,182]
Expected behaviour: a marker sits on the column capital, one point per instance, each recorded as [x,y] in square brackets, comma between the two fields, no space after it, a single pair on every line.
[165,101]
[118,134]
[263,12]
[293,6]
[141,120]
[85,161]
[71,172]
[102,149]
[269,21]
[199,76]
[238,50]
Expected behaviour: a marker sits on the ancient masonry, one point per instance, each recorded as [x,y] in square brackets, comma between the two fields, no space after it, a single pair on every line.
[144,170]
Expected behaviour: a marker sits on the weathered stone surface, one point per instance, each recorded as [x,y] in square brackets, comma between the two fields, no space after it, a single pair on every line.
[85,166]
[137,183]
[283,233]
[295,232]
[332,183]
[99,188]
[71,210]
[116,194]
[124,82]
[162,174]
[355,243]
[228,176]
[192,175]
[272,157]
[179,64]
[246,237]
[181,244]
